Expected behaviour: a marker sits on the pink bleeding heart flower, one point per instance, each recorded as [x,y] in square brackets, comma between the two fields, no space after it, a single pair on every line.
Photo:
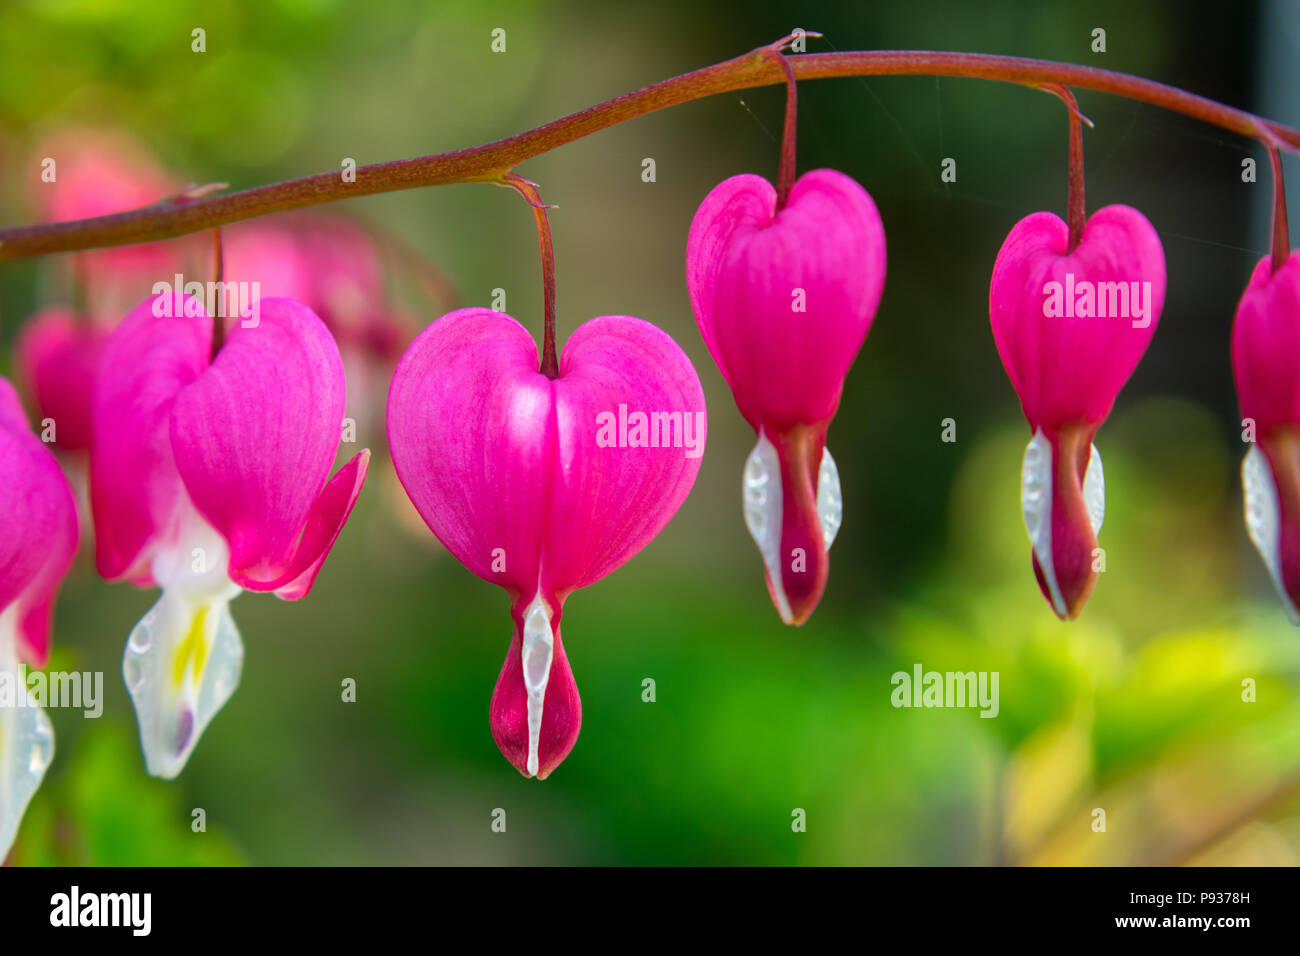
[38,538]
[333,266]
[327,262]
[543,486]
[1265,359]
[784,300]
[1071,326]
[97,172]
[56,357]
[209,477]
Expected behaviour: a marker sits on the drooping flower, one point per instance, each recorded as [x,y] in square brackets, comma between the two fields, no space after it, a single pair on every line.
[543,486]
[56,357]
[326,262]
[332,265]
[1266,364]
[1071,326]
[784,300]
[38,538]
[89,172]
[208,478]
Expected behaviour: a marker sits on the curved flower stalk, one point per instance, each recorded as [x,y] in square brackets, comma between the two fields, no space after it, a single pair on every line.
[784,298]
[1266,365]
[1071,325]
[543,485]
[209,477]
[38,539]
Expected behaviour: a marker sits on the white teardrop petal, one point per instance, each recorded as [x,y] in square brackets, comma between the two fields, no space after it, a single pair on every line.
[1094,490]
[1036,502]
[537,653]
[1263,523]
[761,499]
[830,503]
[26,737]
[182,663]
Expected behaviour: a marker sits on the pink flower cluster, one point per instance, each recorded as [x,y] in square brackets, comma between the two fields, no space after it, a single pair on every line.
[210,441]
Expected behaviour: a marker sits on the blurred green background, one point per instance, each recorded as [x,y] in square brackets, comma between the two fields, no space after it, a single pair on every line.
[1136,709]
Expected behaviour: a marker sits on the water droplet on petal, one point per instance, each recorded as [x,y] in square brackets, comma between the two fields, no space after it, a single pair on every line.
[142,634]
[181,665]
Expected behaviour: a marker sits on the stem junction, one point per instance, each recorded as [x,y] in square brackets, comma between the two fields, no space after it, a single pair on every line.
[1077,208]
[550,363]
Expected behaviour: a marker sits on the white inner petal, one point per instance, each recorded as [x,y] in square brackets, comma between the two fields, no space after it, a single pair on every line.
[1094,490]
[1263,521]
[761,499]
[1036,501]
[761,502]
[26,737]
[538,650]
[183,659]
[830,505]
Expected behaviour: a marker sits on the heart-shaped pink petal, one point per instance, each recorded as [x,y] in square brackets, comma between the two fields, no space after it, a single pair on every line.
[134,487]
[470,424]
[1266,344]
[56,356]
[543,486]
[254,439]
[613,493]
[1265,358]
[38,529]
[1071,326]
[784,301]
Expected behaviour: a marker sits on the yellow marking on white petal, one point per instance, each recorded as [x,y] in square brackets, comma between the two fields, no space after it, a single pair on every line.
[182,663]
[183,659]
[193,648]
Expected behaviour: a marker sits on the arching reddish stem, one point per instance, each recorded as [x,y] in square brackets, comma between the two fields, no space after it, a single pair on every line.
[218,273]
[489,162]
[1281,228]
[786,172]
[1076,205]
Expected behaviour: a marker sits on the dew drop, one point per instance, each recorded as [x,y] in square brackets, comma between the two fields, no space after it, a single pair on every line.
[142,635]
[132,672]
